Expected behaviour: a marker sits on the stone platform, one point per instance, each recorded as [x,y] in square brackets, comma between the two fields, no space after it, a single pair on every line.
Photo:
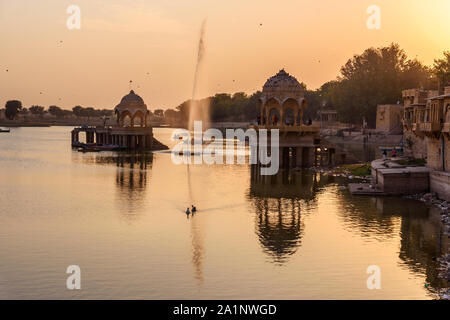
[364,189]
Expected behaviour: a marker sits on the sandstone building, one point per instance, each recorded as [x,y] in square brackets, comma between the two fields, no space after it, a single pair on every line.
[426,129]
[389,118]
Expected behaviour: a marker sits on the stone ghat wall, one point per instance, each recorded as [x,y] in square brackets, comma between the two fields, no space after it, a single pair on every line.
[394,179]
[404,183]
[440,184]
[434,153]
[417,147]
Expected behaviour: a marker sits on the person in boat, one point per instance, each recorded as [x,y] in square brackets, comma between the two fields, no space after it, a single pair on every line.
[193,209]
[187,211]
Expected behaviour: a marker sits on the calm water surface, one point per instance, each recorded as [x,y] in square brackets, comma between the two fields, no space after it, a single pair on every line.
[120,217]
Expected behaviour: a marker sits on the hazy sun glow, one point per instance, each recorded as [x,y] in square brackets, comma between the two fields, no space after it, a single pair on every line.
[154,43]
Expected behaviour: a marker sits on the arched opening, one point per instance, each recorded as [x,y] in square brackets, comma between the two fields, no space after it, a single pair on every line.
[138,119]
[82,137]
[274,117]
[290,108]
[273,112]
[289,117]
[126,119]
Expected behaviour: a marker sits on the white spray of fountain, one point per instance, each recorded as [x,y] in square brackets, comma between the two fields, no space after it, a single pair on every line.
[199,110]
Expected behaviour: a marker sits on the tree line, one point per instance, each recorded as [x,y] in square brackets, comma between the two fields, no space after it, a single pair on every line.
[14,107]
[376,76]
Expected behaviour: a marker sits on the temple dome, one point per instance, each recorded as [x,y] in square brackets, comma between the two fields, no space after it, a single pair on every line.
[131,103]
[133,106]
[282,86]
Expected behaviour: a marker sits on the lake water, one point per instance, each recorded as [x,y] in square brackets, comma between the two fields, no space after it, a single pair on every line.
[120,217]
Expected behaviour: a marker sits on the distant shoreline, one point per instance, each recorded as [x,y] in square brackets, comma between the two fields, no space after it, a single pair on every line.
[58,123]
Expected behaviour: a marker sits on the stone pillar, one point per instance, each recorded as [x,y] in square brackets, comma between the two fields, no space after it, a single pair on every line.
[133,142]
[312,156]
[298,157]
[144,142]
[148,143]
[281,156]
[307,153]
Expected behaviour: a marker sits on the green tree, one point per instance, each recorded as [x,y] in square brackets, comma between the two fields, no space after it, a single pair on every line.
[37,110]
[377,76]
[441,68]
[12,107]
[56,111]
[78,111]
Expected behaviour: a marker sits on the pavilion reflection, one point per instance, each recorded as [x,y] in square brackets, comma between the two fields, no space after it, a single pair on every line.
[422,237]
[131,178]
[278,201]
[131,182]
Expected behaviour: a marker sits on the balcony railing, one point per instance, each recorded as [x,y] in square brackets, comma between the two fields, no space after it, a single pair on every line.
[430,127]
[446,127]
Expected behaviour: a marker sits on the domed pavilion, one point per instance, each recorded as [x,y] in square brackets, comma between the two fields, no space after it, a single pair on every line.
[131,111]
[282,101]
[130,132]
[282,106]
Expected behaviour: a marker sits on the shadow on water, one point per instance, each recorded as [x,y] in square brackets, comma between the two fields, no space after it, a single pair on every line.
[421,231]
[279,202]
[132,170]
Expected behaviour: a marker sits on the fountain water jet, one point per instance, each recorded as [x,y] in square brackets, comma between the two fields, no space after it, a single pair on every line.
[199,109]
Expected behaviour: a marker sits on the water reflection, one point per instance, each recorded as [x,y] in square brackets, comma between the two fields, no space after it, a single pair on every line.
[422,237]
[197,239]
[422,241]
[279,201]
[130,179]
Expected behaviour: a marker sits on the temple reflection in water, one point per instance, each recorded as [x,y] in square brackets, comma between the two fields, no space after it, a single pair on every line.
[279,201]
[132,170]
[282,201]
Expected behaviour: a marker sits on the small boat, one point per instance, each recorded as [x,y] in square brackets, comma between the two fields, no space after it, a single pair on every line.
[5,130]
[88,150]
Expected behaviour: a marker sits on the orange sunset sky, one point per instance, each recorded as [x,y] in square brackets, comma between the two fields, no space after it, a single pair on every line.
[154,43]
